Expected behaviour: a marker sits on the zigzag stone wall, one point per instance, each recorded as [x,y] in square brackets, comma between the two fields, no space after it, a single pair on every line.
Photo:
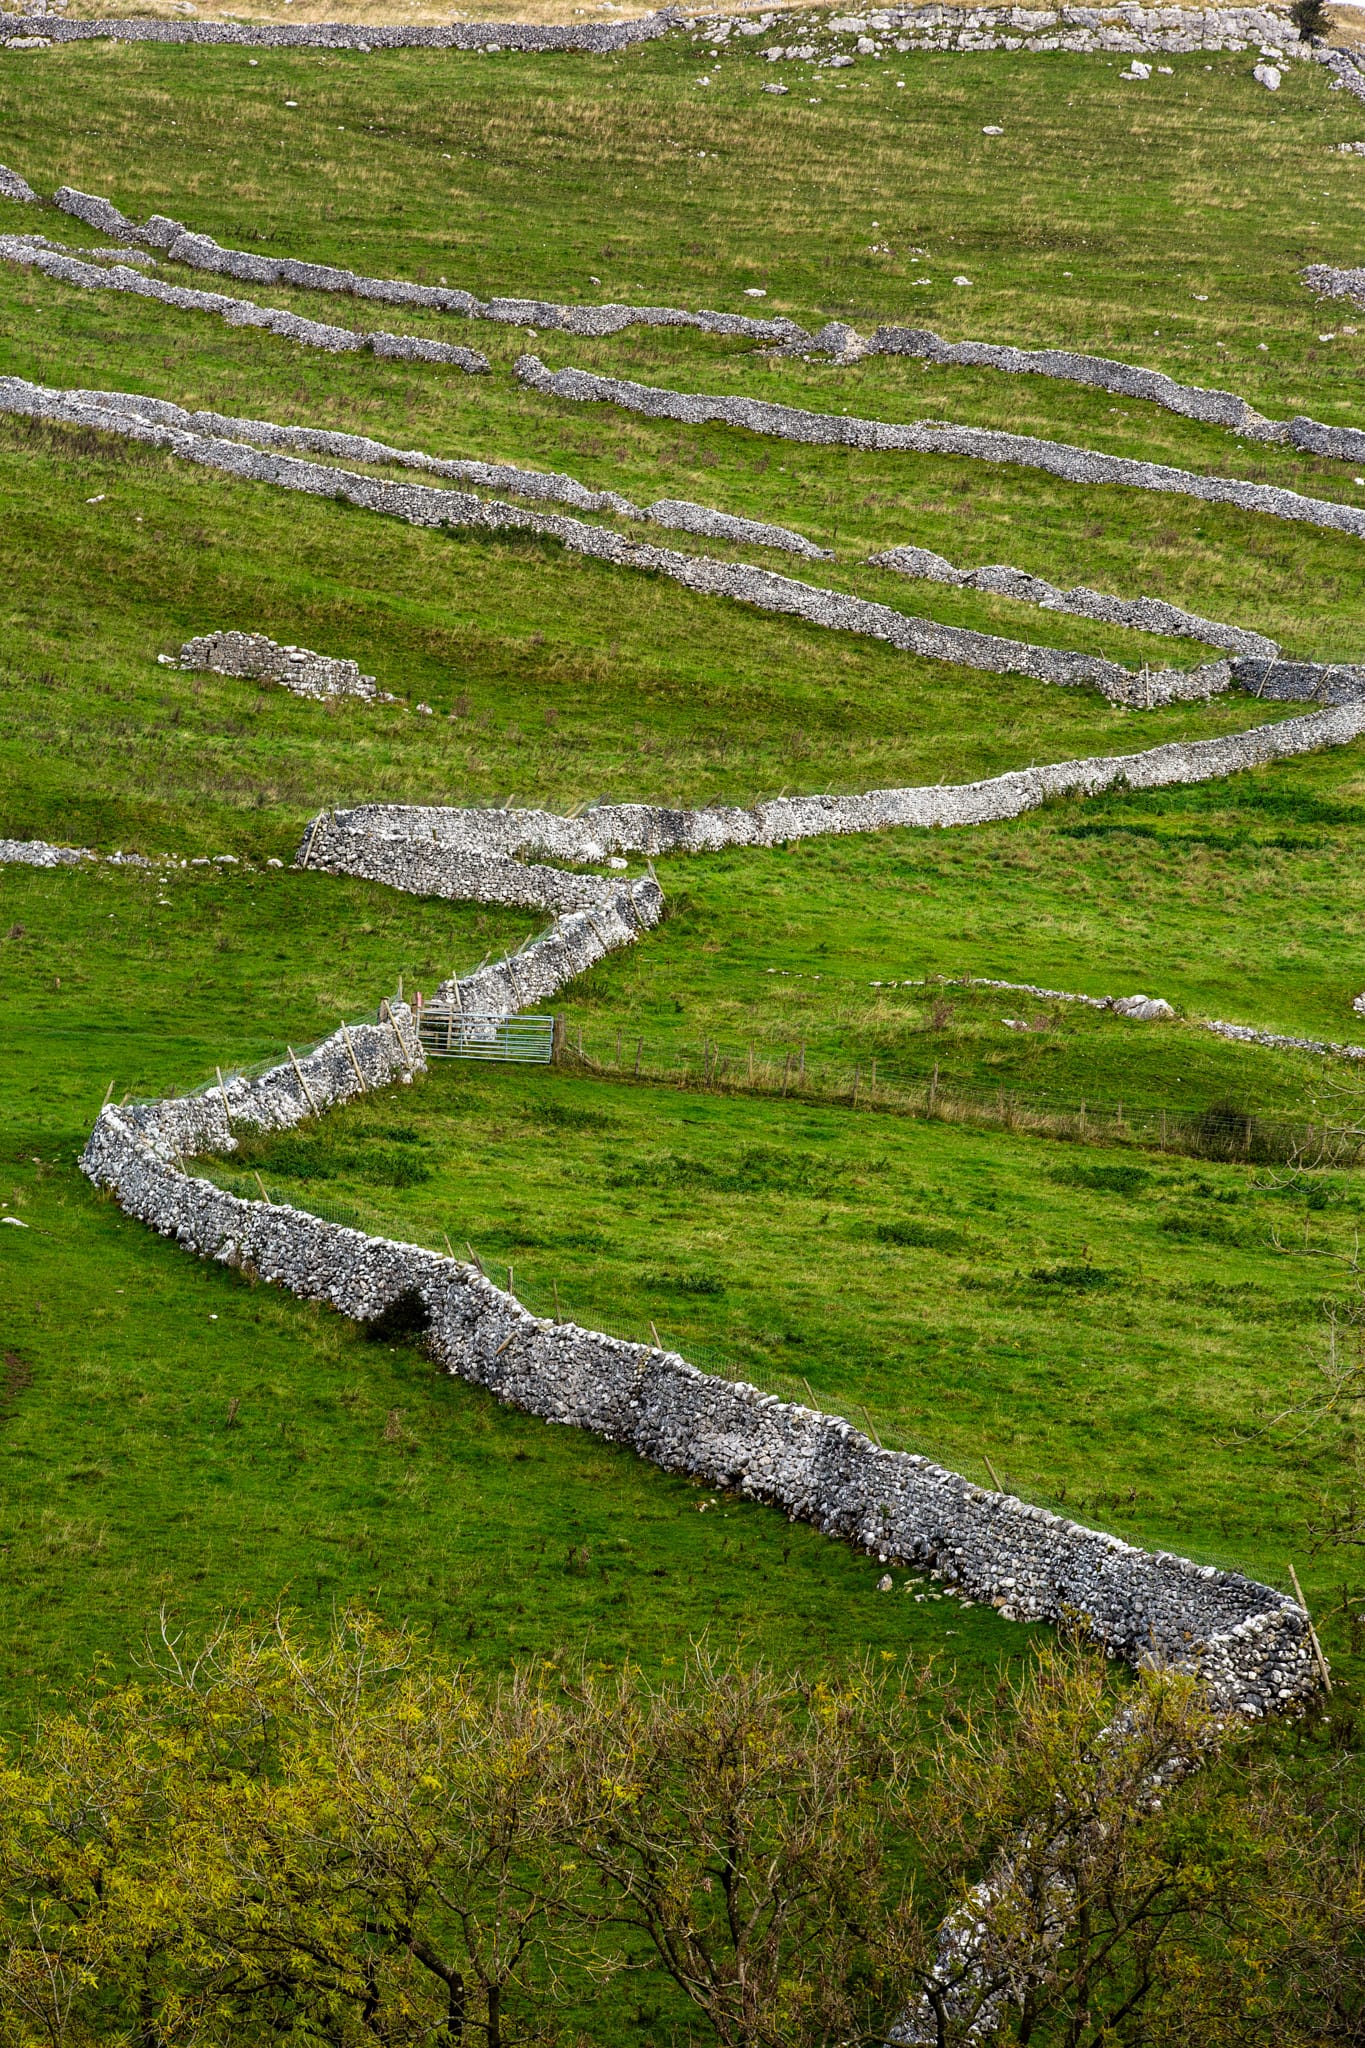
[933,437]
[1250,1643]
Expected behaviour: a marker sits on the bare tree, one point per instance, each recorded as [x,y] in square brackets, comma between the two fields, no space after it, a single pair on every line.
[747,1825]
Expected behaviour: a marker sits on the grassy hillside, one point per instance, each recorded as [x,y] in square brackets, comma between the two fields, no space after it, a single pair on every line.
[1115,1330]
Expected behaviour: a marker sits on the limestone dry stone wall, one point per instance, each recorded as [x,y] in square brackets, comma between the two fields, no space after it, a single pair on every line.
[742,582]
[933,437]
[1147,614]
[1125,380]
[537,485]
[1248,1642]
[593,39]
[12,186]
[181,245]
[1191,401]
[120,277]
[424,848]
[231,443]
[1152,1009]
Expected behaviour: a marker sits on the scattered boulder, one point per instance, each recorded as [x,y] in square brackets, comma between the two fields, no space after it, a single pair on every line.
[1143,1009]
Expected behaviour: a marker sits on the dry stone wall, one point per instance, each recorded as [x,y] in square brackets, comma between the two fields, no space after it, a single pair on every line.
[121,277]
[1250,1643]
[1152,1009]
[1192,401]
[422,847]
[539,486]
[181,245]
[12,186]
[1126,380]
[742,582]
[1147,614]
[1247,1034]
[593,39]
[933,437]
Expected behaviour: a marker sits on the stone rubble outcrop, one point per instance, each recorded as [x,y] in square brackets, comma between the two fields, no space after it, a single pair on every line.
[40,853]
[295,668]
[37,853]
[1336,284]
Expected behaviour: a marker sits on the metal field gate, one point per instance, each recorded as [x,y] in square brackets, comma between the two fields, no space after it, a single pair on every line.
[451,1034]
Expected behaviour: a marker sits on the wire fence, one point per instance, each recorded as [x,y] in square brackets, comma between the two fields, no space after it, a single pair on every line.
[1224,1131]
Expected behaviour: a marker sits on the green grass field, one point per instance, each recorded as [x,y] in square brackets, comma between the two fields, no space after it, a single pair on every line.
[1115,1329]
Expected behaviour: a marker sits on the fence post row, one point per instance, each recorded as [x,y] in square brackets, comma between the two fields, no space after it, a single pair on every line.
[1232,1136]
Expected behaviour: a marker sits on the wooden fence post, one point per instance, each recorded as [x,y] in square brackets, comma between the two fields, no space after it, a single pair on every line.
[359,1073]
[298,1071]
